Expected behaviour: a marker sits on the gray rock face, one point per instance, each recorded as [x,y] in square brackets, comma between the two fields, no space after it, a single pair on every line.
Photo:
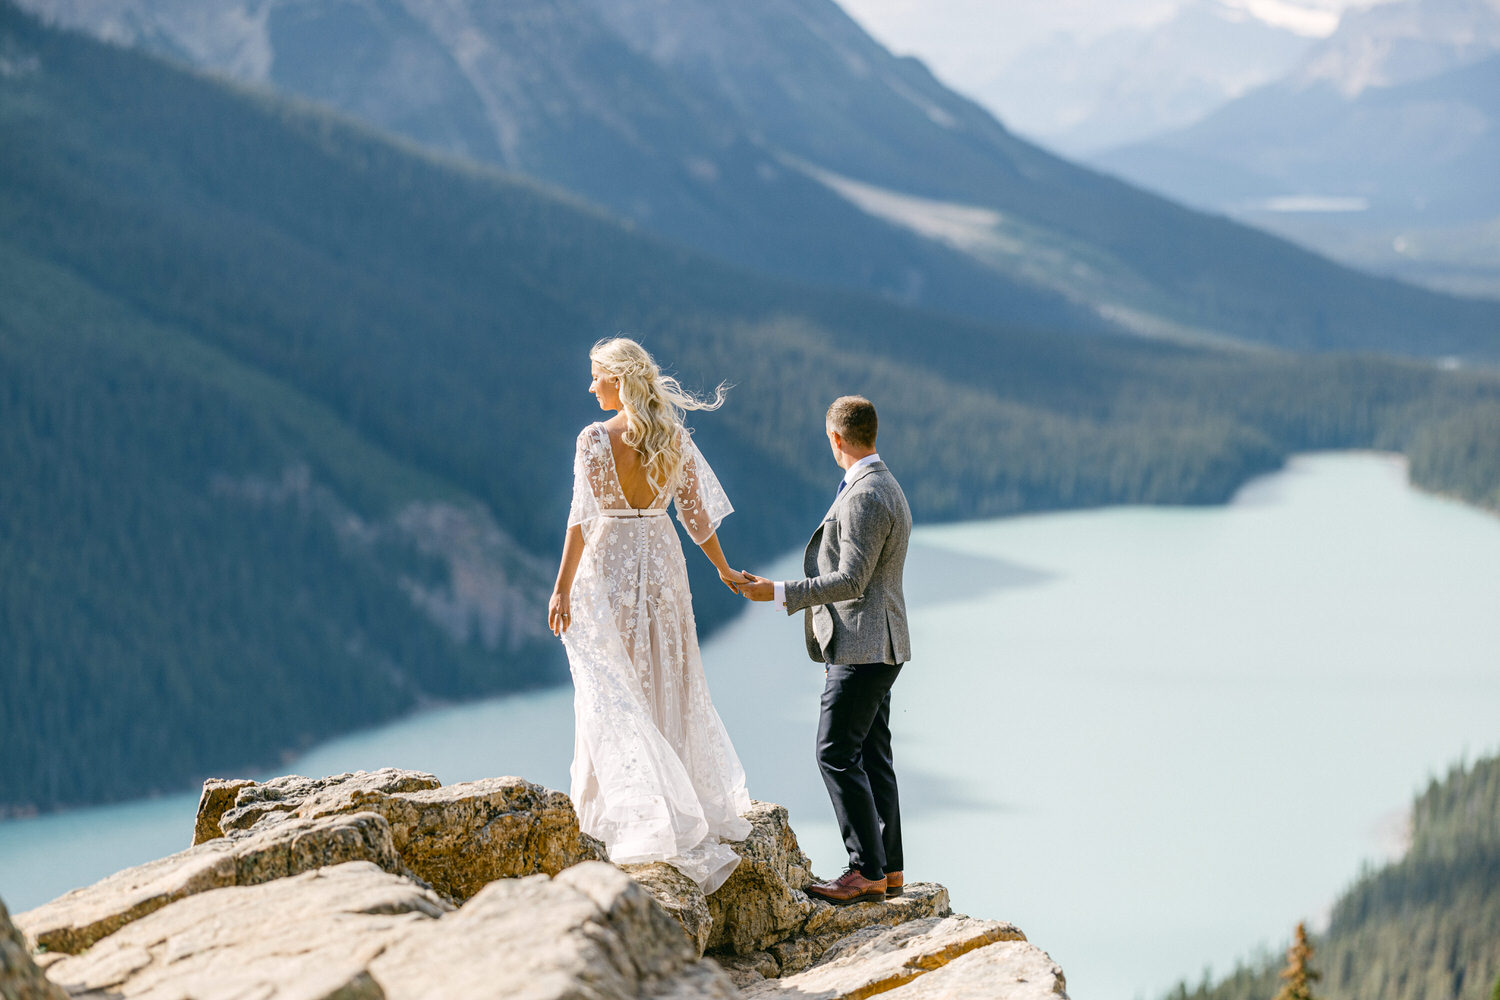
[20,979]
[253,803]
[680,896]
[354,931]
[386,886]
[217,798]
[762,902]
[75,921]
[763,920]
[457,838]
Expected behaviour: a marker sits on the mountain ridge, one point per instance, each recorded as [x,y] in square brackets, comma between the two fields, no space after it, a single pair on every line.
[682,134]
[1380,150]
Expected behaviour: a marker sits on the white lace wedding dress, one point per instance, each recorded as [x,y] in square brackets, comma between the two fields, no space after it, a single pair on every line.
[654,775]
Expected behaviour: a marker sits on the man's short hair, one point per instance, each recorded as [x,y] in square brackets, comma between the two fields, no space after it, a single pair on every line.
[853,418]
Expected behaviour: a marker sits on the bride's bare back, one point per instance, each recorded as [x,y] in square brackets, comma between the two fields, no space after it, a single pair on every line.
[630,471]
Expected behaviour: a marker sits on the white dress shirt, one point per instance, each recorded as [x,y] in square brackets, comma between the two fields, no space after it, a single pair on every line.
[779,600]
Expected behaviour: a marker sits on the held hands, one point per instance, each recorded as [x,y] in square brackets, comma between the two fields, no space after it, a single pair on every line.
[557,613]
[733,578]
[757,588]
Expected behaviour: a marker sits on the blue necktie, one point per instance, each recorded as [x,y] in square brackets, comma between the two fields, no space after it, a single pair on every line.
[840,491]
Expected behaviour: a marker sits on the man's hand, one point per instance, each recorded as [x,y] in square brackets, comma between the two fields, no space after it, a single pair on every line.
[758,588]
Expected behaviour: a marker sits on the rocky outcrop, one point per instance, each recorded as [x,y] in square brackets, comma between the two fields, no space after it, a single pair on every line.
[20,979]
[388,884]
[1015,970]
[457,838]
[73,922]
[680,897]
[217,798]
[353,931]
[762,902]
[255,804]
[763,922]
[879,959]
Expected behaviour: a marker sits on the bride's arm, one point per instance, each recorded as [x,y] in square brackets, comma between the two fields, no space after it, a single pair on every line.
[558,613]
[732,577]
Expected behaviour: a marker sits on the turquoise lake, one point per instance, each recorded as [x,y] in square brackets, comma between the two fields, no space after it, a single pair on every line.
[1153,738]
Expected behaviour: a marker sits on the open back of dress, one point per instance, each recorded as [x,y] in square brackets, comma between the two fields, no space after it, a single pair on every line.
[654,774]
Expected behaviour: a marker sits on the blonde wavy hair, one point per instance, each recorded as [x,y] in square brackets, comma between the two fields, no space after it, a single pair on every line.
[654,405]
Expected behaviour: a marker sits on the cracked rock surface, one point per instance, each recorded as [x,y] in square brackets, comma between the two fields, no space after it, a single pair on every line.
[387,884]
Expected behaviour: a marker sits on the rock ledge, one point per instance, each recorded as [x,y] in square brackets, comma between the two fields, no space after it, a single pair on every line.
[388,884]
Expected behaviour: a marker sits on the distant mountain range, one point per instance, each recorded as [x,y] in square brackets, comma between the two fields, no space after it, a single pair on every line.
[742,130]
[287,405]
[1382,148]
[1081,94]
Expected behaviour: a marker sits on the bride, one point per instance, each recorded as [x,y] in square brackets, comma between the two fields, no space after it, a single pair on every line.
[654,775]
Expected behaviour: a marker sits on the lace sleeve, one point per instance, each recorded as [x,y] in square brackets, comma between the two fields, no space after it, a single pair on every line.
[701,503]
[589,475]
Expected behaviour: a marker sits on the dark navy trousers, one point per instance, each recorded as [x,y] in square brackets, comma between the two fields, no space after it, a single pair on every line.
[854,756]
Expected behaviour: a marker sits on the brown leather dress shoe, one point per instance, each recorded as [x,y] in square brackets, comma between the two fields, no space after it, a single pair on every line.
[895,884]
[850,887]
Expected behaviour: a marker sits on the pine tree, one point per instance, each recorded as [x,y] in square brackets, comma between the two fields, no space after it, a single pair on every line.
[1298,975]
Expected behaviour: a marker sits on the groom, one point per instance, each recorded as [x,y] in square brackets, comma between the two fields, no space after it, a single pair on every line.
[856,625]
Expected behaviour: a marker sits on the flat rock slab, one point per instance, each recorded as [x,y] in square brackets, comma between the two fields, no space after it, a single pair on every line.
[77,920]
[311,937]
[457,838]
[352,932]
[20,979]
[1009,970]
[591,932]
[880,959]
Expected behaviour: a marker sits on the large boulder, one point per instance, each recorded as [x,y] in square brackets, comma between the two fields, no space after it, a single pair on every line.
[763,901]
[352,932]
[763,921]
[230,804]
[20,979]
[75,921]
[679,896]
[590,932]
[457,838]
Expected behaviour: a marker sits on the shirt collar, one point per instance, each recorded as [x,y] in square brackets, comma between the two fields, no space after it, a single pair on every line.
[853,469]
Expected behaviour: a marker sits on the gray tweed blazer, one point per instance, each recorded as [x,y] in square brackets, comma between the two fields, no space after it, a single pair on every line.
[856,611]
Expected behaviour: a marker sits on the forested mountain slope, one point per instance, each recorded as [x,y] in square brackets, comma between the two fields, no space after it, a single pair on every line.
[287,411]
[1423,928]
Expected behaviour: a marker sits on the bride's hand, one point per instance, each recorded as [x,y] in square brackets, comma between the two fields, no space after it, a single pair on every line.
[733,579]
[558,617]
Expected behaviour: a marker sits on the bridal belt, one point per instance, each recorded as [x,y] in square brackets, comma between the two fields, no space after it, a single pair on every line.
[636,512]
